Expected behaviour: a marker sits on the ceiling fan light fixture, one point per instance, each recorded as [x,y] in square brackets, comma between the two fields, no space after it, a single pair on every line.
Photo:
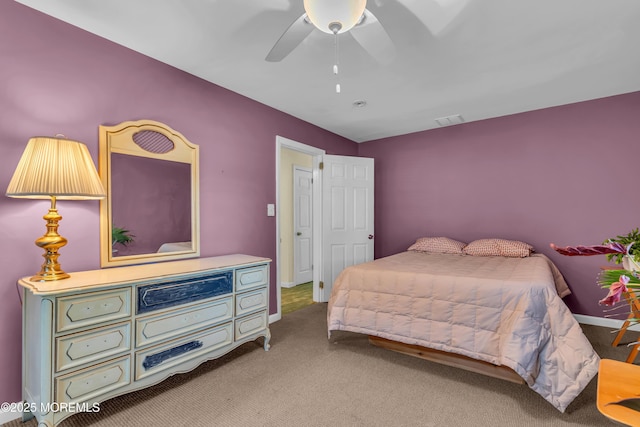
[329,15]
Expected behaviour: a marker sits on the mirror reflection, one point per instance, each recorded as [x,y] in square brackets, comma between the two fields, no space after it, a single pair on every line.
[151,210]
[150,204]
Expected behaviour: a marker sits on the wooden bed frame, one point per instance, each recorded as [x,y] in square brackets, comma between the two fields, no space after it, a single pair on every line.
[449,359]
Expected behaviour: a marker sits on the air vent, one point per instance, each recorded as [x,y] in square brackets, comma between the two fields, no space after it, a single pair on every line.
[456,119]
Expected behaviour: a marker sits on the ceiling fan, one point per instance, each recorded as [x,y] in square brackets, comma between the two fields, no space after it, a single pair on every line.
[353,16]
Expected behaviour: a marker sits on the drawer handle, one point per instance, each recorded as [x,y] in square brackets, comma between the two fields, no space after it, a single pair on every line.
[158,358]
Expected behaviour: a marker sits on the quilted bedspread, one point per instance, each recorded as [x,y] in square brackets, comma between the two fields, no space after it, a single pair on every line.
[505,311]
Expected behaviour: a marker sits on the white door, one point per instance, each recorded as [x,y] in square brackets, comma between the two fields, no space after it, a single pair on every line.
[347,216]
[302,225]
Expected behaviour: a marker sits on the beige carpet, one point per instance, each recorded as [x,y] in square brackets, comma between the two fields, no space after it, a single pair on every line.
[308,380]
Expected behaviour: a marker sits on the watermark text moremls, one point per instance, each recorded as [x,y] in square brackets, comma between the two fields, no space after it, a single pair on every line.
[46,407]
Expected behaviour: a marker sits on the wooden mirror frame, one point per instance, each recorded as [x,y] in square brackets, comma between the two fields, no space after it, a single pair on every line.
[119,139]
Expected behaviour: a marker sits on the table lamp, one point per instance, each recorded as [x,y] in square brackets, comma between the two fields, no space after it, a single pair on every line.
[54,168]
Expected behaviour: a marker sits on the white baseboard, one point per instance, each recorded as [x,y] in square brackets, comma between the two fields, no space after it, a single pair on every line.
[603,321]
[274,317]
[6,417]
[287,285]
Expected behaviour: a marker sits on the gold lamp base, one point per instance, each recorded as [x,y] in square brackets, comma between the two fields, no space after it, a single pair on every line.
[51,242]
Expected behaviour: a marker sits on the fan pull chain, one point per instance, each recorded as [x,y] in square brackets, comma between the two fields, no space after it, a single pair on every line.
[335,66]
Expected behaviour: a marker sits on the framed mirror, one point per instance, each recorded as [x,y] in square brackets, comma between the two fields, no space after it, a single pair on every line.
[151,212]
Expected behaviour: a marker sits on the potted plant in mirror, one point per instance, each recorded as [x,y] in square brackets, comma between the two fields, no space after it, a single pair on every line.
[120,235]
[631,259]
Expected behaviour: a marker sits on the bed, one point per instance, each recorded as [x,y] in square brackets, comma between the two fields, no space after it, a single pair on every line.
[503,313]
[175,247]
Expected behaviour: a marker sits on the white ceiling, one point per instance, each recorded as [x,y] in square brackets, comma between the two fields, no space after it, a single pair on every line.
[477,58]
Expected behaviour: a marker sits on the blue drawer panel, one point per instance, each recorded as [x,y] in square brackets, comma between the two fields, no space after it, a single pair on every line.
[167,294]
[156,359]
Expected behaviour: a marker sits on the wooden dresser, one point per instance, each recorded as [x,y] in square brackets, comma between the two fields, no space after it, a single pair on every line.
[103,333]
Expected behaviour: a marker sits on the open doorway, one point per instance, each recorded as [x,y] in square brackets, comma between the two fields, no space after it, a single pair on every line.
[342,222]
[298,229]
[296,239]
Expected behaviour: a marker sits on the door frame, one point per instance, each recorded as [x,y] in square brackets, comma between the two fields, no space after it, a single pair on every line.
[316,154]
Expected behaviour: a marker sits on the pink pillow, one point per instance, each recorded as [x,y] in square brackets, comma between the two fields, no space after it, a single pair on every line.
[439,245]
[498,247]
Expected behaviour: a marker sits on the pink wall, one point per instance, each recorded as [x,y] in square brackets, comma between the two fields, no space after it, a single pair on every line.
[565,175]
[59,79]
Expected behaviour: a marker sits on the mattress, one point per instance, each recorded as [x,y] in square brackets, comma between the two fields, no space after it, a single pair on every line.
[505,311]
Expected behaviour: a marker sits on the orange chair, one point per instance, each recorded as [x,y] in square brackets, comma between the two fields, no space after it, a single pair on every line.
[618,381]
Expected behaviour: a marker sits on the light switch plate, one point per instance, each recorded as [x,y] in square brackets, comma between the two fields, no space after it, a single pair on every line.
[271,209]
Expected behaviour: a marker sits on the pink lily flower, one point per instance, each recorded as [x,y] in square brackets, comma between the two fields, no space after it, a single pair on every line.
[615,291]
[581,250]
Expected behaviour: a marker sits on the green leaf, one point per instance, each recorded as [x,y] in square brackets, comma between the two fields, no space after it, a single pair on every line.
[632,238]
[608,277]
[121,235]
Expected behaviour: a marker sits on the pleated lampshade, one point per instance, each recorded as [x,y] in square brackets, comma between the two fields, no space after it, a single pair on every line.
[56,167]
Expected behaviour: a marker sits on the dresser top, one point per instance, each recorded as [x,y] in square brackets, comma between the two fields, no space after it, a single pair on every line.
[94,279]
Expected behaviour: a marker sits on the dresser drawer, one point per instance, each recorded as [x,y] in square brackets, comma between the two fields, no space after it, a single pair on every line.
[171,293]
[90,383]
[161,357]
[250,325]
[180,322]
[92,308]
[251,301]
[252,277]
[77,349]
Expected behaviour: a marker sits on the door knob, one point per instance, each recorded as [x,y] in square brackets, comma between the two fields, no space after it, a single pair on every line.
[370,236]
[298,234]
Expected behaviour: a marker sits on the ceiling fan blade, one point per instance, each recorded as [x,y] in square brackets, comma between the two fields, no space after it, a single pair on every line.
[436,15]
[374,39]
[290,39]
